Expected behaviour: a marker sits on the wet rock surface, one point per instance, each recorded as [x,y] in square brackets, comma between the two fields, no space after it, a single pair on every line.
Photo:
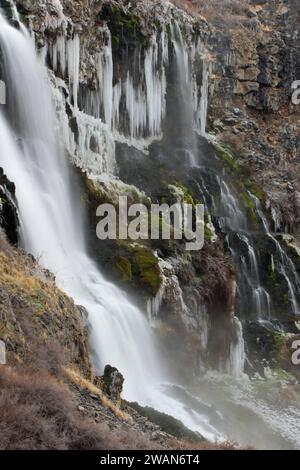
[9,221]
[111,383]
[250,101]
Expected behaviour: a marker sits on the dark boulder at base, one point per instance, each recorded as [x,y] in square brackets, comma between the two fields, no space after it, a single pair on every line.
[111,383]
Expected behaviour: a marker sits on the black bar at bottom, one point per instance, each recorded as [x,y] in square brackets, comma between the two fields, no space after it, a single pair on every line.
[135,459]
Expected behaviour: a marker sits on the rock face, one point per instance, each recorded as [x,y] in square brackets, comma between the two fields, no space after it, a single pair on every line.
[251,101]
[8,211]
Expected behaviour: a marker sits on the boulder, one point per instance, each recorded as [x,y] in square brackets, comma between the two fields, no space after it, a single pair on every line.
[111,383]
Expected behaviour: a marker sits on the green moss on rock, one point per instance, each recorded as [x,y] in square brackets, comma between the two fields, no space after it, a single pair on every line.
[124,24]
[149,270]
[123,267]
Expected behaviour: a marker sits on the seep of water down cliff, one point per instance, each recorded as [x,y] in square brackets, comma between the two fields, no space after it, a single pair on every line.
[122,93]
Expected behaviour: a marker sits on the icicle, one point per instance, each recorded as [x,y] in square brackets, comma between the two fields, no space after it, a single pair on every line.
[65,55]
[73,64]
[59,55]
[96,147]
[136,107]
[204,99]
[94,150]
[154,304]
[164,44]
[105,79]
[117,94]
[204,325]
[156,87]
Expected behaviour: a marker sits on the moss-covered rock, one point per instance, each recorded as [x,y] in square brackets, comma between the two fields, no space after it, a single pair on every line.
[149,271]
[124,269]
[124,25]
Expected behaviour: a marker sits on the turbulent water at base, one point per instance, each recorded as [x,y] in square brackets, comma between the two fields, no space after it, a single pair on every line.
[220,407]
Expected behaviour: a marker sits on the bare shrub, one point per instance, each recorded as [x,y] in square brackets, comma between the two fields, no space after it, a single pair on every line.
[47,357]
[5,246]
[37,413]
[222,13]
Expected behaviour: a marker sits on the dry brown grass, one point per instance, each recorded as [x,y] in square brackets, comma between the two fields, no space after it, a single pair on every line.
[36,314]
[37,412]
[5,246]
[76,378]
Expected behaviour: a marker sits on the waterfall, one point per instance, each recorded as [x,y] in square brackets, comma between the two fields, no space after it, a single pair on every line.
[51,226]
[73,62]
[236,361]
[204,98]
[201,105]
[232,215]
[234,221]
[186,136]
[286,266]
[52,230]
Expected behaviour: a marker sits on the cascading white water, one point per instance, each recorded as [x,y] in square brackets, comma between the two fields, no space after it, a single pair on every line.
[234,219]
[201,103]
[231,214]
[51,226]
[236,361]
[51,229]
[185,96]
[287,267]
